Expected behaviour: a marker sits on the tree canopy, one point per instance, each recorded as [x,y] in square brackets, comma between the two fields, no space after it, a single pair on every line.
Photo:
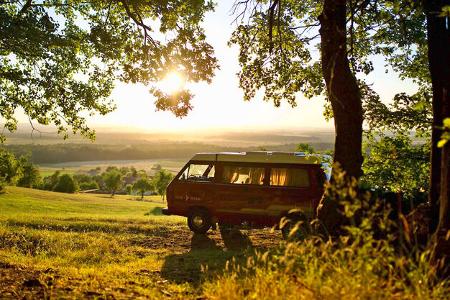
[59,59]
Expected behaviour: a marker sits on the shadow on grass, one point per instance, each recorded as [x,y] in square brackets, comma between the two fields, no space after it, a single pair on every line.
[155,211]
[205,258]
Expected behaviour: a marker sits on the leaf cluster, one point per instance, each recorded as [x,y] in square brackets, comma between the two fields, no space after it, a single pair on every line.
[59,59]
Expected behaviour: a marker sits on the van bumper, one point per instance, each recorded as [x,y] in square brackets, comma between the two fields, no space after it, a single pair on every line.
[165,211]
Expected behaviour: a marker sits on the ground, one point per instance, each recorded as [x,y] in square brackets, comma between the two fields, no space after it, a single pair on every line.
[55,245]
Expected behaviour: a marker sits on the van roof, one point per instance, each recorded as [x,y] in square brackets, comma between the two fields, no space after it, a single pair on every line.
[260,157]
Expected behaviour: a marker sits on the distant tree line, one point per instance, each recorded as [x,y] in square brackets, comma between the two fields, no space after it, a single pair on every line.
[126,180]
[57,153]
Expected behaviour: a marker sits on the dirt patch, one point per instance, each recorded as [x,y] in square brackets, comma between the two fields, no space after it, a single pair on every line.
[180,239]
[20,283]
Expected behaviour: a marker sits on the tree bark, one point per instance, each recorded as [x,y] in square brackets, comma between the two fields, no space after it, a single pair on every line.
[438,31]
[437,55]
[344,95]
[342,87]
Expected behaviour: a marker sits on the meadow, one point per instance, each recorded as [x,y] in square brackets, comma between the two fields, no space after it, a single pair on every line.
[66,246]
[172,165]
[59,245]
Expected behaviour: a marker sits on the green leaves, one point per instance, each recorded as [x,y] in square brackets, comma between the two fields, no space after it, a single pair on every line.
[58,62]
[279,61]
[397,164]
[445,136]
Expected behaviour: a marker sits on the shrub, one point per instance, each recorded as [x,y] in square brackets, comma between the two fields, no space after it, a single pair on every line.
[66,184]
[49,182]
[10,168]
[88,186]
[2,185]
[31,177]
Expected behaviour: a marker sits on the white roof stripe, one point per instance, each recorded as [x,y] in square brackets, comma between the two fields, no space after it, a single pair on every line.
[260,157]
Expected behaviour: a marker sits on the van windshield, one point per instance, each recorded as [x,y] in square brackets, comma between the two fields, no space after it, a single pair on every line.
[198,172]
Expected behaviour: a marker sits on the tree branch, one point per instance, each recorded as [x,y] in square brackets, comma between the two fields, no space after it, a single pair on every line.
[25,7]
[271,14]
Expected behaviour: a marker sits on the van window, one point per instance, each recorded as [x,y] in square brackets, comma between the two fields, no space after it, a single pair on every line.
[243,175]
[199,172]
[289,177]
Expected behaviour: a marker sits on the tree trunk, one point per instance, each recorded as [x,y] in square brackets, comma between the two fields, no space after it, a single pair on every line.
[438,30]
[437,57]
[342,88]
[344,95]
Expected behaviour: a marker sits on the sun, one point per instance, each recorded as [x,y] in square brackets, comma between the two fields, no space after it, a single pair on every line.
[173,82]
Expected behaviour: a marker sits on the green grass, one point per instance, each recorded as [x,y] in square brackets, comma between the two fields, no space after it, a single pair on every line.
[85,244]
[94,246]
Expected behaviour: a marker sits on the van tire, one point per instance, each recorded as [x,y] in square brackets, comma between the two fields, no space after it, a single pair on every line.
[199,221]
[303,231]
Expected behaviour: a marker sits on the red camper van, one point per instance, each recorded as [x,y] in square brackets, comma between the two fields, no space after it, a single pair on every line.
[255,188]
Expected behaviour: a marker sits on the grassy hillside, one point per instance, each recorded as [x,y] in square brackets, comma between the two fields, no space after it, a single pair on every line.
[62,245]
[56,245]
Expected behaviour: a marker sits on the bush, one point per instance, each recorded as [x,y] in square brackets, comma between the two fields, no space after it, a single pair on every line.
[10,168]
[84,186]
[2,185]
[31,178]
[66,184]
[49,182]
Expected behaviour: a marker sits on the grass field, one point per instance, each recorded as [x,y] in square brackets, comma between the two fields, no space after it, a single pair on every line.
[55,246]
[77,245]
[172,165]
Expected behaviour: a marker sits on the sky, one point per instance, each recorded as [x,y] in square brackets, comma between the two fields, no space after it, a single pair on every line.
[220,105]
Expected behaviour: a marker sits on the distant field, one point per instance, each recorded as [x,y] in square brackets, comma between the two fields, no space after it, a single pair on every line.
[173,165]
[94,246]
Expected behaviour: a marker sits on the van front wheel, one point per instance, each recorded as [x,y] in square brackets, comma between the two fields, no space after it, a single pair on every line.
[199,221]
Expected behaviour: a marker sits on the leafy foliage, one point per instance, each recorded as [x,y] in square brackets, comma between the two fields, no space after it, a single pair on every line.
[91,185]
[406,113]
[2,185]
[278,60]
[277,43]
[304,147]
[112,180]
[395,164]
[66,184]
[143,185]
[445,137]
[161,181]
[50,181]
[31,177]
[10,169]
[58,61]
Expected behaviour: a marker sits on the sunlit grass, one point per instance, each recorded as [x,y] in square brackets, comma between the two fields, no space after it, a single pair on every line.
[80,246]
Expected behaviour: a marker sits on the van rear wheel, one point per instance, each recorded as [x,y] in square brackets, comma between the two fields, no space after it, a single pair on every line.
[199,221]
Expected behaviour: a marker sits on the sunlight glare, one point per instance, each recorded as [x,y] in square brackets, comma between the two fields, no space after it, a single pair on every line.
[173,82]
